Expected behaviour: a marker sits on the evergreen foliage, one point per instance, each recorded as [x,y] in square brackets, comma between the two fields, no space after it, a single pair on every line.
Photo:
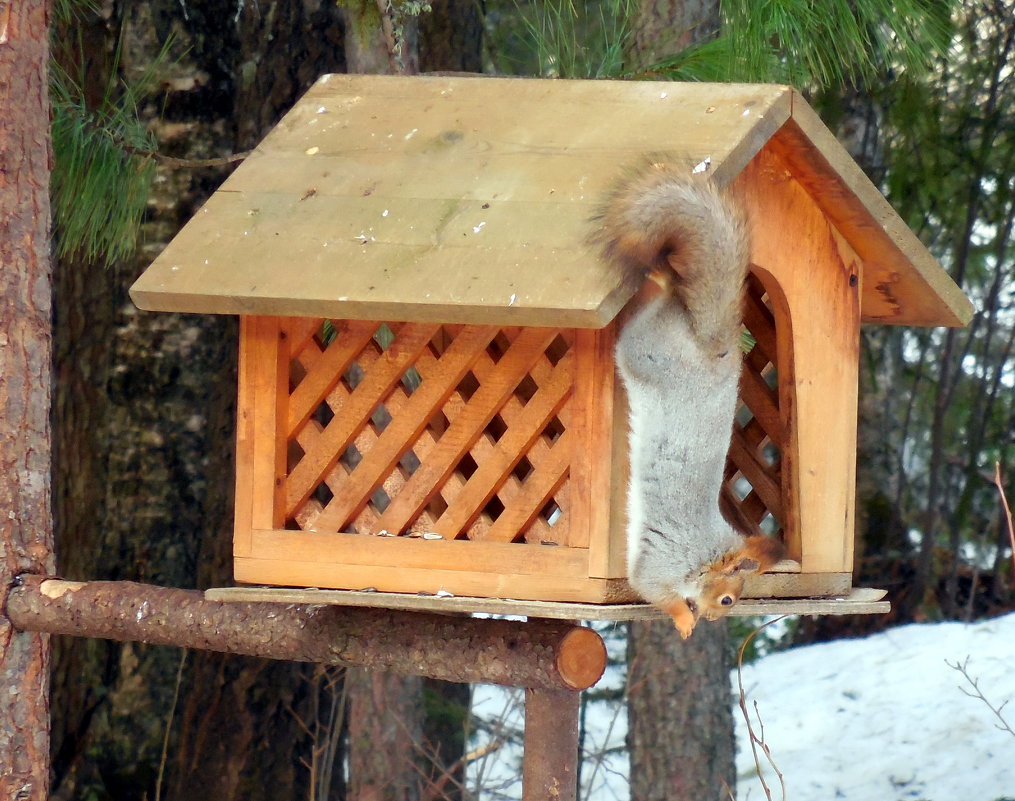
[103,165]
[819,45]
[799,42]
[565,39]
[949,161]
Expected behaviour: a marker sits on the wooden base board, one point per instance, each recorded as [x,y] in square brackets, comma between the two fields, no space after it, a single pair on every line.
[402,579]
[533,573]
[855,602]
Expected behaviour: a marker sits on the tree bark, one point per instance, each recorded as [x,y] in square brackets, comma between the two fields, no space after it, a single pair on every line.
[451,37]
[144,425]
[663,28]
[26,528]
[376,41]
[680,724]
[385,731]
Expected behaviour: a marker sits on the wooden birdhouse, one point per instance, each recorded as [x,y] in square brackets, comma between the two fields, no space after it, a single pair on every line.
[427,394]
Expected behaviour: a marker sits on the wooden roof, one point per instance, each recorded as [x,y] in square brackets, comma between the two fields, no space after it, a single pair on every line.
[469,199]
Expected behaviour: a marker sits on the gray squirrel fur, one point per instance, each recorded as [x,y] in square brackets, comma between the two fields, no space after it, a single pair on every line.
[679,357]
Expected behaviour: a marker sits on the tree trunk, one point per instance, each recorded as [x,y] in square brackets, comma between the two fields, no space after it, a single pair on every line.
[379,41]
[451,37]
[680,724]
[384,735]
[663,28]
[144,429]
[26,527]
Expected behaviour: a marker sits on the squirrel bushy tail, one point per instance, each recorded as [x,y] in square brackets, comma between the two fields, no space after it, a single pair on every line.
[662,221]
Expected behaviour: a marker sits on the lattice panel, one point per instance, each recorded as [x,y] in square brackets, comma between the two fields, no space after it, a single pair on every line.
[752,497]
[423,429]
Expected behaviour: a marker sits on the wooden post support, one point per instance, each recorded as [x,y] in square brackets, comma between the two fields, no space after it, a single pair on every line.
[548,655]
[550,762]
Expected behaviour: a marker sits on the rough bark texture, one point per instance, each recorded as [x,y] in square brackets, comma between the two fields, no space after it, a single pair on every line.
[144,427]
[377,42]
[26,530]
[679,711]
[663,28]
[451,37]
[462,649]
[680,725]
[384,734]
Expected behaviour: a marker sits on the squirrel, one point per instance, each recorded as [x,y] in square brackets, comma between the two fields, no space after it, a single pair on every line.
[679,357]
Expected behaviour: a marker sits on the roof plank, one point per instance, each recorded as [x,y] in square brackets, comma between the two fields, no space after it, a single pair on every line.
[469,200]
[453,199]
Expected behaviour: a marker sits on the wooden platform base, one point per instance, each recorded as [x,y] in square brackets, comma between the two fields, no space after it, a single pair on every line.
[856,602]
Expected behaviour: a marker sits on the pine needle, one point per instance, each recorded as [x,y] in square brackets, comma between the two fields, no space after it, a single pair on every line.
[102,169]
[816,45]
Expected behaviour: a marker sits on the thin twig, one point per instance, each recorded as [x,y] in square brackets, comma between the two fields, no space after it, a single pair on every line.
[756,739]
[978,693]
[1007,509]
[169,726]
[434,789]
[599,757]
[177,164]
[499,729]
[166,161]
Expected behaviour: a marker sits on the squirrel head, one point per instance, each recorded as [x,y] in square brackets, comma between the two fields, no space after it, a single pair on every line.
[721,582]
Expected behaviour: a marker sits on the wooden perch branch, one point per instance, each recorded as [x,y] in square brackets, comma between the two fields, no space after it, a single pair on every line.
[537,654]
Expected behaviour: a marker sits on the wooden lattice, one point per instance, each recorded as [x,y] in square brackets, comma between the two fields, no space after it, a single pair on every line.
[423,429]
[752,493]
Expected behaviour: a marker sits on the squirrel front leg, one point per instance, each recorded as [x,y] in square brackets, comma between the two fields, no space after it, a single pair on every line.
[684,618]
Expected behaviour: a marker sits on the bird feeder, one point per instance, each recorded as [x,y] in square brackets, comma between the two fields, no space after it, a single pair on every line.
[427,395]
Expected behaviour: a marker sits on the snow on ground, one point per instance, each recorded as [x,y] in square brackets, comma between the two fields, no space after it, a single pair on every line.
[881,718]
[884,718]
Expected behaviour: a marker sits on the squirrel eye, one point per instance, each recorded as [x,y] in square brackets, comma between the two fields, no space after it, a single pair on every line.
[726,600]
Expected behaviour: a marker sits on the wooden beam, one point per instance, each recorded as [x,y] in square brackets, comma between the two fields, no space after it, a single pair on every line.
[903,282]
[820,277]
[537,654]
[550,762]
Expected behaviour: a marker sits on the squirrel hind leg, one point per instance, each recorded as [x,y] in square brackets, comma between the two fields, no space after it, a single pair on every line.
[767,552]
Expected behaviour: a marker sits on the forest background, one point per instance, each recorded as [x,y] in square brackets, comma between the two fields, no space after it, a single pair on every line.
[922,93]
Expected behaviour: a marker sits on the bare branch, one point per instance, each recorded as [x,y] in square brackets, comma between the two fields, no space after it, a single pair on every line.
[976,692]
[169,726]
[757,740]
[1006,507]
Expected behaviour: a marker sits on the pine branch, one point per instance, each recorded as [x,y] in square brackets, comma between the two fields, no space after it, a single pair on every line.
[183,164]
[816,44]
